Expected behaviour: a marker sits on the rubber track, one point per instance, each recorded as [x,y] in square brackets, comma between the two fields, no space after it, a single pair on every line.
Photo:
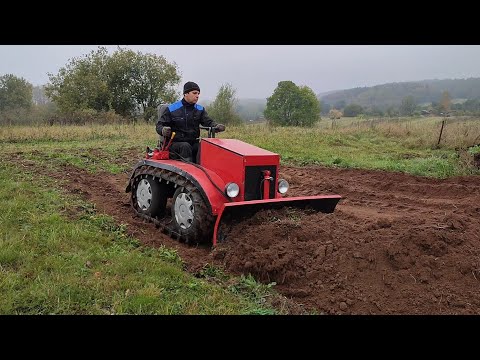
[165,224]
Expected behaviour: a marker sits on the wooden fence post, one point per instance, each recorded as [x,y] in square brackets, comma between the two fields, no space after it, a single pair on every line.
[441,131]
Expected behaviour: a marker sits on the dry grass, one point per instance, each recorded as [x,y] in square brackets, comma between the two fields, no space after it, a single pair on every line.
[458,132]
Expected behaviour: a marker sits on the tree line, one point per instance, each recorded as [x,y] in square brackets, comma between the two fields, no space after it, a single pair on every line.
[128,86]
[126,82]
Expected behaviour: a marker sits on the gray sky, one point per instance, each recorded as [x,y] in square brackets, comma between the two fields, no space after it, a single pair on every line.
[255,70]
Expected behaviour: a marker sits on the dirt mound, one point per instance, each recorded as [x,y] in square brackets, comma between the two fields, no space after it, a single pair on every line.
[335,264]
[396,244]
[277,245]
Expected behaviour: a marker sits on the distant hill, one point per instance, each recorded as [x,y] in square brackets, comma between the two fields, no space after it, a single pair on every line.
[320,95]
[392,94]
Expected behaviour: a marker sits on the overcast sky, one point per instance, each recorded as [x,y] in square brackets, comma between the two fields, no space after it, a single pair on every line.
[255,70]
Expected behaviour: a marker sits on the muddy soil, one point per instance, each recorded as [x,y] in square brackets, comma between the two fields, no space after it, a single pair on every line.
[396,243]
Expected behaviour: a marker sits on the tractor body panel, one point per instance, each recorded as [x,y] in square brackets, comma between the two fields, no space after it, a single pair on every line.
[236,161]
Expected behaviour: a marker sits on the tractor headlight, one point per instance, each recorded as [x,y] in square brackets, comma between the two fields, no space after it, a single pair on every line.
[282,186]
[232,190]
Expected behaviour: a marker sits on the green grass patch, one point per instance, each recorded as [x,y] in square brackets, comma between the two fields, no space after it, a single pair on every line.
[367,150]
[474,150]
[92,160]
[53,262]
[405,144]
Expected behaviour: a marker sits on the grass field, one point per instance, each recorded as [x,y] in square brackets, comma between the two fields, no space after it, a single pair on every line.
[56,262]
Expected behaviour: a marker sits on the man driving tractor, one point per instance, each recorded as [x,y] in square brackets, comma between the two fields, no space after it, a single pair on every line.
[184,118]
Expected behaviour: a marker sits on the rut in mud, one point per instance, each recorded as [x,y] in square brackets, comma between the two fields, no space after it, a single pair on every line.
[396,243]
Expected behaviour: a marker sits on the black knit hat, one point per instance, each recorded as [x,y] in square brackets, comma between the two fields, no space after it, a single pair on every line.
[190,86]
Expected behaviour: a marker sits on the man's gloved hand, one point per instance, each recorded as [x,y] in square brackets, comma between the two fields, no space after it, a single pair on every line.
[219,128]
[167,131]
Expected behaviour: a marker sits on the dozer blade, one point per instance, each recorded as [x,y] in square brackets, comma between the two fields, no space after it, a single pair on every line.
[242,209]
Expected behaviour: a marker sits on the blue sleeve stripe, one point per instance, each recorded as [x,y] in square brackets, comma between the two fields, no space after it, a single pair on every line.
[175,106]
[198,107]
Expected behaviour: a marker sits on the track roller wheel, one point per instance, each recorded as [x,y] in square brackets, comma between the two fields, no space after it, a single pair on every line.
[190,216]
[149,196]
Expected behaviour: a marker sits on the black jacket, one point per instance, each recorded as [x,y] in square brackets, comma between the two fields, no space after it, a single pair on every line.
[184,119]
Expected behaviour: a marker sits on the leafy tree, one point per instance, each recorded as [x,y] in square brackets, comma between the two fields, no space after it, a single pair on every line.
[375,111]
[335,114]
[392,111]
[120,69]
[309,111]
[222,109]
[408,106]
[435,107]
[15,93]
[352,110]
[472,106]
[291,105]
[151,80]
[82,84]
[126,82]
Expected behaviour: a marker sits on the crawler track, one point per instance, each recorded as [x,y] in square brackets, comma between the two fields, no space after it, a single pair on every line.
[166,223]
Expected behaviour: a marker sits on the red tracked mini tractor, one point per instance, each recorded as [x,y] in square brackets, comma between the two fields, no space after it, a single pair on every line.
[232,180]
